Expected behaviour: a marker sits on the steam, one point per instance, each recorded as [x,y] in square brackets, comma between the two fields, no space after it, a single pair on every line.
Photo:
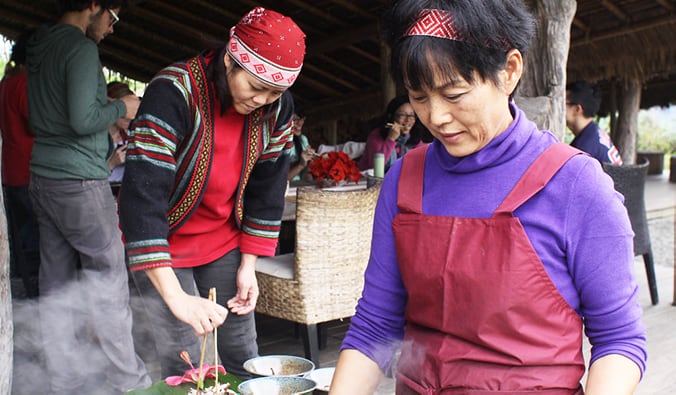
[84,360]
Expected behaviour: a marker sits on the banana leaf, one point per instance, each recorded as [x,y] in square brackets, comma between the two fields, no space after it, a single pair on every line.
[161,388]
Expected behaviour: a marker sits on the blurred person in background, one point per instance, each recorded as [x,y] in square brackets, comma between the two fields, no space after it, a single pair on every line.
[301,153]
[583,101]
[17,144]
[391,136]
[82,266]
[119,133]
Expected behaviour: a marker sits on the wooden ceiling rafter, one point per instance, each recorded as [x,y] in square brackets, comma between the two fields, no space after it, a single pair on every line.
[624,30]
[667,4]
[612,7]
[343,61]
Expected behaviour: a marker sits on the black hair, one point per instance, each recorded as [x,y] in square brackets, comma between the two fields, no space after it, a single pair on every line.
[390,110]
[19,48]
[298,108]
[78,5]
[490,28]
[218,73]
[586,95]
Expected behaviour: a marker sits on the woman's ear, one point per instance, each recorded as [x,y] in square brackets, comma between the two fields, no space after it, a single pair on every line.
[227,60]
[513,70]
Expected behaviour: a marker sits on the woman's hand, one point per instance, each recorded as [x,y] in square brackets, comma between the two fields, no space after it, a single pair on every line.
[397,130]
[118,157]
[247,287]
[307,155]
[201,314]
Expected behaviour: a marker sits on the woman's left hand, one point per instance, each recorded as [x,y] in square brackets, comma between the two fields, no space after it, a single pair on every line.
[247,287]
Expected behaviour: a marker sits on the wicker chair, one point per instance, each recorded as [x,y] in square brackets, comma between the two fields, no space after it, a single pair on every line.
[630,181]
[323,279]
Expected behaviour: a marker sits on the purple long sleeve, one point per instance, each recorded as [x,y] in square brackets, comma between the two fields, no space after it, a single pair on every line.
[577,225]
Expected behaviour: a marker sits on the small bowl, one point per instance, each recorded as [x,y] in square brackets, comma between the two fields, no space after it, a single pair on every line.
[277,385]
[278,365]
[323,379]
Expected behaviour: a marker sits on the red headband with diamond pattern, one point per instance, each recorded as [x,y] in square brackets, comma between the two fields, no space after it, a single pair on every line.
[434,23]
[268,45]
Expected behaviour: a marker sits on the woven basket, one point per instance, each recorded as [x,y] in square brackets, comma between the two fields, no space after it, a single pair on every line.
[333,241]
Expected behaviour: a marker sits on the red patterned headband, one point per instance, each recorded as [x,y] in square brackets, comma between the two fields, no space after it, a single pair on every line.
[440,23]
[435,23]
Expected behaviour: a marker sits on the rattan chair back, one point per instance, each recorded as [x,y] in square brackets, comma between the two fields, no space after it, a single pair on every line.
[333,242]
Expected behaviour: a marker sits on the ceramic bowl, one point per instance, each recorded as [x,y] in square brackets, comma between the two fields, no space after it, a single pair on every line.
[277,385]
[278,365]
[323,379]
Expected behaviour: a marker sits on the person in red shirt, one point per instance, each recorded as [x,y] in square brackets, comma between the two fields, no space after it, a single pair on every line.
[17,144]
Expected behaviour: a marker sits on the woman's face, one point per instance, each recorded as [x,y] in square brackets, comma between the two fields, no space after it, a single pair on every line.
[465,117]
[248,92]
[405,116]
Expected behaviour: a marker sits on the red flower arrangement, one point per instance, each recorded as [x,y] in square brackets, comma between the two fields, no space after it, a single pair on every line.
[334,168]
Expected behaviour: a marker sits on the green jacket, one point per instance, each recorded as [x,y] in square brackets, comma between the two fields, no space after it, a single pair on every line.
[68,106]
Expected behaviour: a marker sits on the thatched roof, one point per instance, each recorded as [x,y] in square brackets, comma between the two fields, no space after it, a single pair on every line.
[610,39]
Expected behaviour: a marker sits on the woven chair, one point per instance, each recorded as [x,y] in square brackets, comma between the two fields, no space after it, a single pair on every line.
[323,279]
[630,181]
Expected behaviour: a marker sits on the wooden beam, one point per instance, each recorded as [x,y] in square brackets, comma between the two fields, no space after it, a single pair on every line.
[612,33]
[354,9]
[339,40]
[306,5]
[580,24]
[667,4]
[330,76]
[367,55]
[346,69]
[612,7]
[320,86]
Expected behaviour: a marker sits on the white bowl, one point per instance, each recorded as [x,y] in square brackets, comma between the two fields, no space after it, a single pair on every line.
[323,379]
[276,385]
[278,365]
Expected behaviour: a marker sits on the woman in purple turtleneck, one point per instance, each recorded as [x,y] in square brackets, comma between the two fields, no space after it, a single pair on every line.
[495,248]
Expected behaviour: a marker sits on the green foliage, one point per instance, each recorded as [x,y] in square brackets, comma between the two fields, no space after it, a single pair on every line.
[654,136]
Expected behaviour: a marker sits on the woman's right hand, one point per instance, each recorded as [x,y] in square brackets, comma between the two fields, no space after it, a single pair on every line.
[397,130]
[307,155]
[201,314]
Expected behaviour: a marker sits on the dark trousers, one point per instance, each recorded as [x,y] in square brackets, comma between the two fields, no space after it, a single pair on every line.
[83,287]
[24,237]
[236,337]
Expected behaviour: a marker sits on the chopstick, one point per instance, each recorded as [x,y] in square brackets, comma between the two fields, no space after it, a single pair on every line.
[212,297]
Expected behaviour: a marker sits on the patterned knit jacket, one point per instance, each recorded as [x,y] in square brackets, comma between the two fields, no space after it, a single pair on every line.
[169,159]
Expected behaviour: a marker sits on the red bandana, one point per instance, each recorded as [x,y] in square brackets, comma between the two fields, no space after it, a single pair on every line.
[268,45]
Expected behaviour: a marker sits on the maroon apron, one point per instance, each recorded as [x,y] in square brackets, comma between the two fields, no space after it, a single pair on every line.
[483,316]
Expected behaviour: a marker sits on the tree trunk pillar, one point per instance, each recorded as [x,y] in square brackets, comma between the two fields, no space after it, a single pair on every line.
[6,323]
[627,120]
[542,94]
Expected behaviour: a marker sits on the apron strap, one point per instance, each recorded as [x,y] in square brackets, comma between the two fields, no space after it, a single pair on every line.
[536,177]
[409,197]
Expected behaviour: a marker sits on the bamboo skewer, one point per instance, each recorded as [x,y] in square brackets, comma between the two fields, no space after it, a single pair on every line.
[212,297]
[201,374]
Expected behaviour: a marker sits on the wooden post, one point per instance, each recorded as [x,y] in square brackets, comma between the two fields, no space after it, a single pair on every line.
[627,122]
[542,93]
[6,322]
[389,88]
